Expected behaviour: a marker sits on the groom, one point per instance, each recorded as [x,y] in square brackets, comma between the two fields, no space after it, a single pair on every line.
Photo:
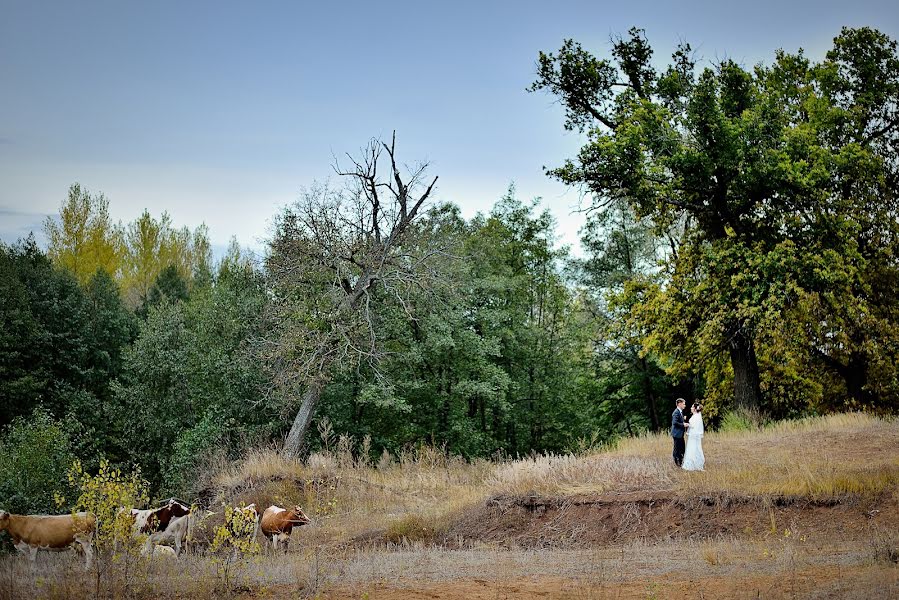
[677,431]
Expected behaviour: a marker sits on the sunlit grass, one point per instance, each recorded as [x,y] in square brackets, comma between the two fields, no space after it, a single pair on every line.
[418,494]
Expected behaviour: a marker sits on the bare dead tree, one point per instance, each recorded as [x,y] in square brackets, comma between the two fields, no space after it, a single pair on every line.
[331,250]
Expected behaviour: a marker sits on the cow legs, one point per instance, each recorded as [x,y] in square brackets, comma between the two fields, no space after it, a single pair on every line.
[88,551]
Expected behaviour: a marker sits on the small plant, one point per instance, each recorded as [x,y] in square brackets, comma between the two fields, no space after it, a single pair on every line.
[234,539]
[411,528]
[885,547]
[740,420]
[108,495]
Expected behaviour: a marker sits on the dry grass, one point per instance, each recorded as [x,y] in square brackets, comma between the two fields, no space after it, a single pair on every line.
[819,458]
[413,497]
[402,507]
[778,567]
[419,494]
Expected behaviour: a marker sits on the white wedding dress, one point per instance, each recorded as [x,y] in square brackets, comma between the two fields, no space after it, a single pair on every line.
[694,459]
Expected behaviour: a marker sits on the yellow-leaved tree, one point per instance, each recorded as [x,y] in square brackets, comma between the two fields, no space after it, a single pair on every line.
[83,239]
[109,495]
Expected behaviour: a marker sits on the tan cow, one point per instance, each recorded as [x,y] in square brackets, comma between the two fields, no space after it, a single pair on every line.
[277,523]
[50,532]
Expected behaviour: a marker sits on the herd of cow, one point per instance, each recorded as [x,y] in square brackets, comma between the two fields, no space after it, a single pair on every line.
[167,528]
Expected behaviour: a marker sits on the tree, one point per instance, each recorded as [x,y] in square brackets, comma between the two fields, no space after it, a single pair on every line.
[188,388]
[153,245]
[23,376]
[329,253]
[622,257]
[37,454]
[168,287]
[521,303]
[764,167]
[84,239]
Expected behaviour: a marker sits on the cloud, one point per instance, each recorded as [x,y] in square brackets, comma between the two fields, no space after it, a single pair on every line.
[20,214]
[17,224]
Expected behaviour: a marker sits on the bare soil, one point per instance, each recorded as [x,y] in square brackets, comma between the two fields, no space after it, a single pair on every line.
[578,522]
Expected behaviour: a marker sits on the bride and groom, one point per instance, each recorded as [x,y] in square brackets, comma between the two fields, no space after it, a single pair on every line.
[689,455]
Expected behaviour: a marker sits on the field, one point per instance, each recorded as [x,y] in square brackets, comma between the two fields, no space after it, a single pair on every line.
[802,509]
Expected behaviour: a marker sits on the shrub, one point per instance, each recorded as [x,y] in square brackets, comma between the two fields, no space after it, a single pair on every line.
[109,495]
[740,420]
[412,528]
[36,453]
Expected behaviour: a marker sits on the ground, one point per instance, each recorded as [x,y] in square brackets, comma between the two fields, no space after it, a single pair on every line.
[803,509]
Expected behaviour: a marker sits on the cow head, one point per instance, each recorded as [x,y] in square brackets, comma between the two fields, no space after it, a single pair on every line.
[298,517]
[4,520]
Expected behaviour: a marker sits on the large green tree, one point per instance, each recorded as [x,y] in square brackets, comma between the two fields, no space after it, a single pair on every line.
[767,168]
[189,391]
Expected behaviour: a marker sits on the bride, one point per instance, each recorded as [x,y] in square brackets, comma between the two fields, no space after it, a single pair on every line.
[694,459]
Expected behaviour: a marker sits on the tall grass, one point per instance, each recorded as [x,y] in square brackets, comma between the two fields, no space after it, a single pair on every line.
[415,495]
[406,503]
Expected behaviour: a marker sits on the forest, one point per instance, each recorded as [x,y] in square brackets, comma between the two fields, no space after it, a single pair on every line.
[741,248]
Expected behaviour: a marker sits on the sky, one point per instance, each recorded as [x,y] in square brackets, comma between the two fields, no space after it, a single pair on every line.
[223,112]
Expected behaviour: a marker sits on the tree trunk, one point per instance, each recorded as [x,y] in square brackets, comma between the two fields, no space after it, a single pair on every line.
[747,392]
[294,441]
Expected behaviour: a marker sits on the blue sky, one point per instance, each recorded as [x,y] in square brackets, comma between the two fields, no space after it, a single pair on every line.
[222,112]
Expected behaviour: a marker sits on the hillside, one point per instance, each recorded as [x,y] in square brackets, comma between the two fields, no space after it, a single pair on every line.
[797,509]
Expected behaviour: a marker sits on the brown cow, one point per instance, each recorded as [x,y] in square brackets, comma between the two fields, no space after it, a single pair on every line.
[277,523]
[50,532]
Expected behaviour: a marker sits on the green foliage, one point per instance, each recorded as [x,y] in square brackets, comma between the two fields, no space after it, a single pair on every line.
[61,342]
[739,420]
[774,185]
[188,389]
[169,286]
[37,453]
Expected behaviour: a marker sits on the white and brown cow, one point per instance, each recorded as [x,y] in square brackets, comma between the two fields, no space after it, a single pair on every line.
[153,520]
[277,523]
[50,532]
[178,531]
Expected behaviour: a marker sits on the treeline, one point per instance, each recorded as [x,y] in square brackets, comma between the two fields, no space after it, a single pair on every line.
[743,248]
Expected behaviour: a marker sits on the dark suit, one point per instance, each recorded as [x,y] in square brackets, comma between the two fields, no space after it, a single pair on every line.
[677,432]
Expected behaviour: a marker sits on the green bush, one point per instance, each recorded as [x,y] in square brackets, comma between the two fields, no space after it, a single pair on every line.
[740,420]
[37,454]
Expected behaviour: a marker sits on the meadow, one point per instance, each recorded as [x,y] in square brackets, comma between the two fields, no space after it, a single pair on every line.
[795,509]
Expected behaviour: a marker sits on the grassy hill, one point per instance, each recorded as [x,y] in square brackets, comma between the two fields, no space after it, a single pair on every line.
[796,509]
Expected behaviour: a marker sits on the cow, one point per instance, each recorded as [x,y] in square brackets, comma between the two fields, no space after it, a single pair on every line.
[159,552]
[277,523]
[153,520]
[50,532]
[178,531]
